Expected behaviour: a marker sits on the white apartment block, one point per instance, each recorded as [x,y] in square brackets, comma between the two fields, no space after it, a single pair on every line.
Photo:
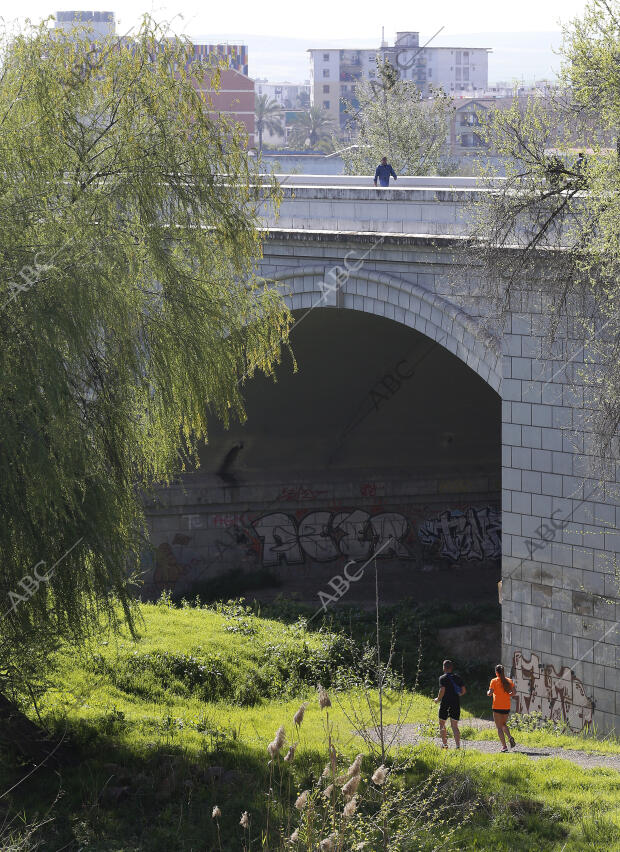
[288,95]
[335,73]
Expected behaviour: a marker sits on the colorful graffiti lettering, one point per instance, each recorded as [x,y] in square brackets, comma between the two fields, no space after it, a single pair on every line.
[558,696]
[473,534]
[324,536]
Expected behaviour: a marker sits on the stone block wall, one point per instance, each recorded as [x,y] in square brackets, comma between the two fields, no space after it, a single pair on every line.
[560,524]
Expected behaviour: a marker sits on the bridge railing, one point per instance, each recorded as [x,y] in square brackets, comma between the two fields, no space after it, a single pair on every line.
[366,181]
[412,206]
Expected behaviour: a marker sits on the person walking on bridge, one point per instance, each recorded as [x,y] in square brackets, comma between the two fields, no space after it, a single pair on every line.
[451,687]
[501,689]
[384,172]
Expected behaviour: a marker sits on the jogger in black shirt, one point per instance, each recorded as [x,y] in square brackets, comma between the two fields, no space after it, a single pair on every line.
[451,687]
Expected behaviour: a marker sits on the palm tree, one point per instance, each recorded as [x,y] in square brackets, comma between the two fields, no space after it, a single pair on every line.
[314,125]
[267,118]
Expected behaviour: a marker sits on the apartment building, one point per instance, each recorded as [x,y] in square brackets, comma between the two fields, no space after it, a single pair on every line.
[288,95]
[234,96]
[234,55]
[100,24]
[335,73]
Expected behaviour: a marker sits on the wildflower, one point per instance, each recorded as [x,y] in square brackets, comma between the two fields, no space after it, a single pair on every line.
[323,698]
[355,767]
[294,836]
[245,819]
[379,775]
[341,779]
[276,744]
[302,800]
[299,716]
[216,813]
[326,772]
[290,754]
[350,788]
[328,791]
[327,845]
[280,737]
[349,808]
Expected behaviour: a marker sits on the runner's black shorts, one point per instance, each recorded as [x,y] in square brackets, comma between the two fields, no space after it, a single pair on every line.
[503,712]
[452,710]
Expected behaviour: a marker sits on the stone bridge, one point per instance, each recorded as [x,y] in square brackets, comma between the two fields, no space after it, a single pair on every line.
[413,436]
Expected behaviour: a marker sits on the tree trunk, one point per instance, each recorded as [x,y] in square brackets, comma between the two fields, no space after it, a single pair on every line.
[34,743]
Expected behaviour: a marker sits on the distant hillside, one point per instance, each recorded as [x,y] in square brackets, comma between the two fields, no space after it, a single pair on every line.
[515,55]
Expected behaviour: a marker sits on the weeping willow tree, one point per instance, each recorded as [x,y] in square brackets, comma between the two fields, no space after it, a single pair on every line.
[128,309]
[392,118]
[551,228]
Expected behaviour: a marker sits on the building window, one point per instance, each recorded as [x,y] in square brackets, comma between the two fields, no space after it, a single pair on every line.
[465,57]
[430,72]
[371,57]
[465,73]
[457,73]
[325,104]
[371,75]
[326,90]
[326,57]
[458,57]
[326,72]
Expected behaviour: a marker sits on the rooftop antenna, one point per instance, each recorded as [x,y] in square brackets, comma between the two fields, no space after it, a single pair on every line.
[383,37]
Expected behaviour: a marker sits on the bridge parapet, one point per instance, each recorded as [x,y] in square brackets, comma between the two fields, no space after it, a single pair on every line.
[426,209]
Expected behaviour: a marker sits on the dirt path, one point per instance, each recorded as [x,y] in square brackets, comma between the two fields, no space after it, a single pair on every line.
[410,735]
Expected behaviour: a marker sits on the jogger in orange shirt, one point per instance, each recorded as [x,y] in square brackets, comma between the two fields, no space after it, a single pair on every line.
[501,689]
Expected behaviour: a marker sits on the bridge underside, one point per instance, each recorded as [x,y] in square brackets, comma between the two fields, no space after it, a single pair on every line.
[382,440]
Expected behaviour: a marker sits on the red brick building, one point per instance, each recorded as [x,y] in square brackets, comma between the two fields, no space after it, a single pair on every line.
[234,98]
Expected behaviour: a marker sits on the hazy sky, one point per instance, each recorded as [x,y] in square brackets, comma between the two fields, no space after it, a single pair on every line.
[322,18]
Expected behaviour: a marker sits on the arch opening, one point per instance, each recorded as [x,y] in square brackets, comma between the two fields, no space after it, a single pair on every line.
[383,442]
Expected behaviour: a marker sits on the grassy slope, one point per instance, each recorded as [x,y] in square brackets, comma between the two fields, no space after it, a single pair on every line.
[139,712]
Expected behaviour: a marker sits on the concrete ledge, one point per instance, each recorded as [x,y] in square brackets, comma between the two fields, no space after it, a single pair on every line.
[393,238]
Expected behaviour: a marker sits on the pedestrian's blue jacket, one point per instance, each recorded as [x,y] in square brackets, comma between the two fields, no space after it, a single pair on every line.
[383,173]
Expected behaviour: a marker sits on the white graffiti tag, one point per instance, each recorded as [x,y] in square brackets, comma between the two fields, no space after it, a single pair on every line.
[556,695]
[323,536]
[474,534]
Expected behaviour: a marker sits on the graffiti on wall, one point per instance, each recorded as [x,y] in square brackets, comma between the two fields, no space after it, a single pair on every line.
[291,533]
[172,563]
[323,536]
[177,566]
[472,534]
[557,696]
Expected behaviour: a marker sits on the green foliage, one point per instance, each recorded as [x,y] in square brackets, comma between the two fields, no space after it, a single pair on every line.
[266,667]
[536,722]
[551,229]
[394,119]
[268,117]
[414,627]
[128,309]
[312,129]
[152,770]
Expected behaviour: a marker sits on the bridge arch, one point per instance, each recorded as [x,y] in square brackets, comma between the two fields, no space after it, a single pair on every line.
[411,304]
